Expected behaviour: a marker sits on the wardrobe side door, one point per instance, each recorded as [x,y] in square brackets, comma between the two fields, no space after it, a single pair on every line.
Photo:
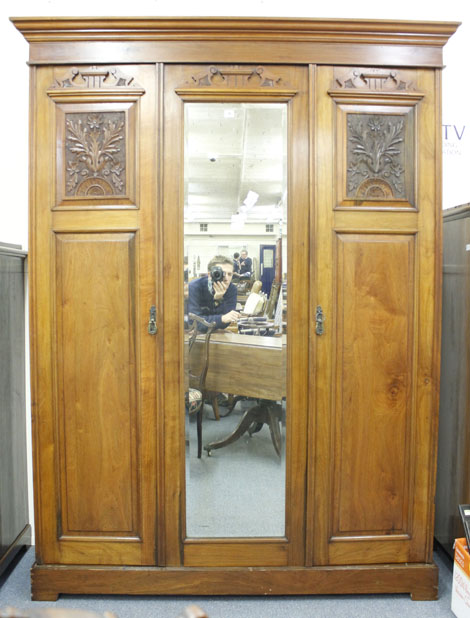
[377,281]
[93,281]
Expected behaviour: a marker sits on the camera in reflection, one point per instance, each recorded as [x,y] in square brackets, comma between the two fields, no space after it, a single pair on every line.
[217,273]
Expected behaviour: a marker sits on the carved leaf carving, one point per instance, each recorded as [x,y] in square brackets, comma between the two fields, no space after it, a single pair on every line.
[376,152]
[95,151]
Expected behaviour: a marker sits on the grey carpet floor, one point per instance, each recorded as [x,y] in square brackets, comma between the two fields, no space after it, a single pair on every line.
[15,591]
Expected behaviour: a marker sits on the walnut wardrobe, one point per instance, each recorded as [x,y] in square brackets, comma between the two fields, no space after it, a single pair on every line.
[362,106]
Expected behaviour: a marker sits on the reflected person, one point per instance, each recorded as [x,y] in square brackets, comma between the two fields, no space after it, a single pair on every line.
[245,264]
[214,296]
[236,263]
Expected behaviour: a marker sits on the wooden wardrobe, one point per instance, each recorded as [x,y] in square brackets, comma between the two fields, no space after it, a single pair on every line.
[363,100]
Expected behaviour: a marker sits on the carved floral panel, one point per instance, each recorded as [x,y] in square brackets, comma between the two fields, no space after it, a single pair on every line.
[376,156]
[95,154]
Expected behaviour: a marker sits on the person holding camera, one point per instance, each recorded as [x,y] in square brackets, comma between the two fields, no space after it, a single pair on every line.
[214,296]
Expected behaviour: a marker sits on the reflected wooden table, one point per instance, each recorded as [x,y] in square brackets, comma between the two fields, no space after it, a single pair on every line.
[253,367]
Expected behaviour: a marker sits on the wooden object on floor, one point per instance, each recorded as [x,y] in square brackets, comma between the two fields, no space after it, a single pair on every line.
[15,530]
[363,301]
[453,462]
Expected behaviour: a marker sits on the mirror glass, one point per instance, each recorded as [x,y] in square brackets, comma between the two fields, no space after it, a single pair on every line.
[235,257]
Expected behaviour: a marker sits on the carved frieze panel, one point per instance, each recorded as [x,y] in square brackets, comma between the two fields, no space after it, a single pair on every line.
[374,79]
[236,77]
[94,78]
[237,82]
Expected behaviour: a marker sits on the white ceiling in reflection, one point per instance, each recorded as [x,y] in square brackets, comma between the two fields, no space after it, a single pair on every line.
[235,161]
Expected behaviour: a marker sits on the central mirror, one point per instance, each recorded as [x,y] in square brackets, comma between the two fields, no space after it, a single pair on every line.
[235,250]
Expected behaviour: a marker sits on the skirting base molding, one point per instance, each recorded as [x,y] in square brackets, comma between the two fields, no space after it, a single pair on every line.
[419,580]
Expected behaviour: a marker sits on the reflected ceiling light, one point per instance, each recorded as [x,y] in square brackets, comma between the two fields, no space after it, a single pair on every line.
[250,199]
[237,222]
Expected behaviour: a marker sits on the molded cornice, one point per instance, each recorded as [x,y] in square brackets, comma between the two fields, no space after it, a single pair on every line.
[350,31]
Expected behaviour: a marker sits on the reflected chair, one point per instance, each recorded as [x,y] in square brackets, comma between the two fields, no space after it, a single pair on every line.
[198,365]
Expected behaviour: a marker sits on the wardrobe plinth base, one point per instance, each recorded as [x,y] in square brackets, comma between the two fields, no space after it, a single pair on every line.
[420,580]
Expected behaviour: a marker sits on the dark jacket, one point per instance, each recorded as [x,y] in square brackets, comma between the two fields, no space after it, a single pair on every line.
[201,301]
[245,265]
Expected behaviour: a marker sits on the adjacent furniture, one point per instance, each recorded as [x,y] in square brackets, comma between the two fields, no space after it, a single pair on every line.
[15,530]
[453,462]
[362,101]
[248,366]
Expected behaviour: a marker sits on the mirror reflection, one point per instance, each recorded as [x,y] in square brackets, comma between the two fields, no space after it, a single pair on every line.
[235,250]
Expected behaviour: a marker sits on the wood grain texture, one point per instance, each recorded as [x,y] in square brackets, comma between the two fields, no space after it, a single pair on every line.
[374,354]
[96,288]
[420,580]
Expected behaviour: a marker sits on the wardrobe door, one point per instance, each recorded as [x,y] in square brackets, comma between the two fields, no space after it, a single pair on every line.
[377,281]
[93,282]
[247,519]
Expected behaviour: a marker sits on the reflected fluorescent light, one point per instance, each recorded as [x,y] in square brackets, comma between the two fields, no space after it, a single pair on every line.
[250,199]
[237,222]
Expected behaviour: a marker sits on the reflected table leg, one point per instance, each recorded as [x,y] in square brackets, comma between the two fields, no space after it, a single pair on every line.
[264,412]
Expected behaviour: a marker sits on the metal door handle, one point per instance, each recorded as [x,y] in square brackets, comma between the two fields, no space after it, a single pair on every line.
[152,325]
[319,319]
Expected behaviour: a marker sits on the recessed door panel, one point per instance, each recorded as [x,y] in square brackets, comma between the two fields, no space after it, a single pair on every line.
[96,275]
[374,363]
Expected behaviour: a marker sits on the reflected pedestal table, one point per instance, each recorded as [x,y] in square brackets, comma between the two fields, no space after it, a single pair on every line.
[265,411]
